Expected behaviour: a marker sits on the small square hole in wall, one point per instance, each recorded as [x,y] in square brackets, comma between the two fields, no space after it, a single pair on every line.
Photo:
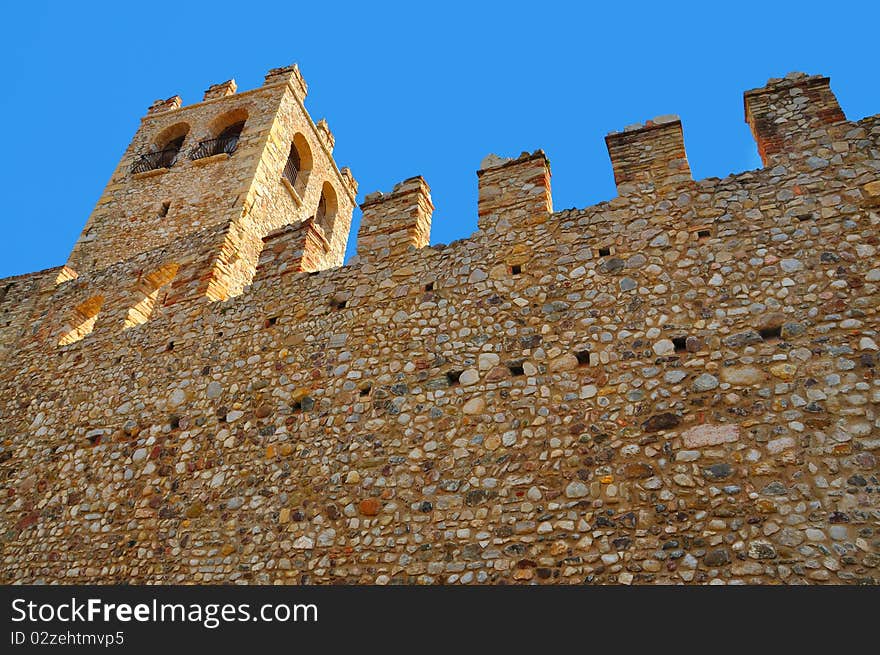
[516,369]
[174,421]
[272,320]
[429,286]
[170,346]
[338,304]
[163,210]
[702,235]
[94,440]
[516,269]
[583,357]
[604,252]
[452,377]
[771,333]
[680,344]
[365,390]
[805,217]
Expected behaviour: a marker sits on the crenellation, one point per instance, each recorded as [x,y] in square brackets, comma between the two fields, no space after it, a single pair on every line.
[395,222]
[677,385]
[160,106]
[326,135]
[289,75]
[221,90]
[650,156]
[513,190]
[789,116]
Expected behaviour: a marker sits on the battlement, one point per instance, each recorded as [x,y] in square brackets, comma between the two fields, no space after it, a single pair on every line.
[676,385]
[651,155]
[789,115]
[793,120]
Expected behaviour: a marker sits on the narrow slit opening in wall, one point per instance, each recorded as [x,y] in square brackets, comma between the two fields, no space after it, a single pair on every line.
[771,333]
[152,293]
[702,235]
[680,344]
[516,369]
[163,210]
[604,252]
[452,377]
[583,357]
[516,269]
[805,217]
[81,321]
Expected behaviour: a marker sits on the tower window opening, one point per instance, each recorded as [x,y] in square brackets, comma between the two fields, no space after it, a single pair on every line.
[680,344]
[226,142]
[164,151]
[298,166]
[293,166]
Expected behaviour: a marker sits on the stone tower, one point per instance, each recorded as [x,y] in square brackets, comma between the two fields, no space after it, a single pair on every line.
[199,187]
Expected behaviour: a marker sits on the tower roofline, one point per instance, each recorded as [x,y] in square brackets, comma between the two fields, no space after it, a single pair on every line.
[181,109]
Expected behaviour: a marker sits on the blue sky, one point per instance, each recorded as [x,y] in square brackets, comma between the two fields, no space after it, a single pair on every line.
[408,88]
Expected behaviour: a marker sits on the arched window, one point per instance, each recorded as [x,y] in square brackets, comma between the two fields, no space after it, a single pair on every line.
[228,131]
[228,139]
[325,215]
[81,320]
[164,150]
[299,164]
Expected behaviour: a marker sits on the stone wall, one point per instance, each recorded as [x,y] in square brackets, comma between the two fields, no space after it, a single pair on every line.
[677,385]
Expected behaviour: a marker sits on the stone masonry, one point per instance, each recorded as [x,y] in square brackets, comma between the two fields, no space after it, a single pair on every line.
[678,385]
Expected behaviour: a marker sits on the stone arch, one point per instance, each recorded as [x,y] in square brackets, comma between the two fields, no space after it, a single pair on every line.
[235,118]
[224,134]
[299,164]
[163,150]
[171,138]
